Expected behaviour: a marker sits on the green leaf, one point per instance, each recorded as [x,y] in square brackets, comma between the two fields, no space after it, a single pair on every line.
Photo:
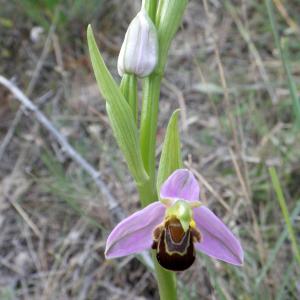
[129,90]
[168,19]
[272,255]
[170,159]
[285,212]
[119,112]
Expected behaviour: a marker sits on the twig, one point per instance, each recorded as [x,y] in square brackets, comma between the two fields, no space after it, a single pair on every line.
[28,104]
[282,10]
[211,189]
[221,70]
[26,218]
[257,233]
[10,132]
[41,60]
[181,101]
[253,50]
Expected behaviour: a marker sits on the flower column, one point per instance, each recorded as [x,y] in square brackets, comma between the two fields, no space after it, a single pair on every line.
[167,16]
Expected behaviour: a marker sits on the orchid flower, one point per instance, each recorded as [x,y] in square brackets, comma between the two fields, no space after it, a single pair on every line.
[175,227]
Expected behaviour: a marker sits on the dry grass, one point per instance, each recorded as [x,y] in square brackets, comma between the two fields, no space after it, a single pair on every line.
[237,119]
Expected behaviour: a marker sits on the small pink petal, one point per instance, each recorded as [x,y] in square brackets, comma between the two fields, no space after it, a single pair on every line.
[217,240]
[181,184]
[134,234]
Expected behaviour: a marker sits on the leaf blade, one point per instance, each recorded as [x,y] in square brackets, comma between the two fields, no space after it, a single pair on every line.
[170,159]
[119,112]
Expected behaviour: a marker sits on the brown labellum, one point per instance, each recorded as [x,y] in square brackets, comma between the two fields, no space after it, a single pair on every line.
[175,248]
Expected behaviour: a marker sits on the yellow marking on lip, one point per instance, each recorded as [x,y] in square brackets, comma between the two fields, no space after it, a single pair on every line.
[193,224]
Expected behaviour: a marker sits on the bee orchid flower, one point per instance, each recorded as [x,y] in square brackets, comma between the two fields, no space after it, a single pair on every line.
[175,227]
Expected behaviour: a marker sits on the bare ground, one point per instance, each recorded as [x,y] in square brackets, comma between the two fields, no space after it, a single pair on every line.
[53,220]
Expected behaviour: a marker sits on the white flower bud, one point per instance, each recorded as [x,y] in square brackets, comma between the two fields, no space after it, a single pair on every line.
[139,51]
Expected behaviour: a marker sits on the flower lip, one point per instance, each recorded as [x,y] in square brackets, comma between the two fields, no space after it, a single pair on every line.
[174,246]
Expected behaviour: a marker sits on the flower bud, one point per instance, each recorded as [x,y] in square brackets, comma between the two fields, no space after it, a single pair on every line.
[139,51]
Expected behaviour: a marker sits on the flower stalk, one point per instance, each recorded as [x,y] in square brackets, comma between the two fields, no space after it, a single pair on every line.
[173,222]
[148,126]
[168,17]
[166,280]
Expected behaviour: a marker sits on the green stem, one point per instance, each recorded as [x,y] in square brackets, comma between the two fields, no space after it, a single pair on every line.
[128,88]
[148,126]
[147,193]
[285,212]
[285,62]
[166,280]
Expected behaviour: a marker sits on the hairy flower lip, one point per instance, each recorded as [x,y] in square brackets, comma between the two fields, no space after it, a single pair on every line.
[134,234]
